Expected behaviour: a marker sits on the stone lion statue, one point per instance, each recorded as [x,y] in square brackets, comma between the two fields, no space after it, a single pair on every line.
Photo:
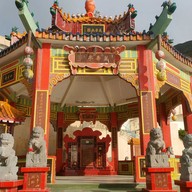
[156,144]
[156,152]
[37,153]
[186,159]
[8,160]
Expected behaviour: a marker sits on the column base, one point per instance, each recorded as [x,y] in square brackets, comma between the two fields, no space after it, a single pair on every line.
[185,186]
[35,179]
[10,186]
[158,180]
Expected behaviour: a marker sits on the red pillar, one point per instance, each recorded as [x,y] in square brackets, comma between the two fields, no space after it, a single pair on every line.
[114,136]
[59,150]
[187,116]
[164,126]
[147,103]
[41,98]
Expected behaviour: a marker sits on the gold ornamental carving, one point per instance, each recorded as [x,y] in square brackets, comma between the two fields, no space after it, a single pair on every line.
[158,86]
[54,79]
[94,57]
[28,86]
[133,79]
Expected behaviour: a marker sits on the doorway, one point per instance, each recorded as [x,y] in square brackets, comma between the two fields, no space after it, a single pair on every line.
[87,152]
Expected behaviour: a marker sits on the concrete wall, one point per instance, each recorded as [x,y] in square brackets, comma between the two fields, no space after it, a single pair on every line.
[175,126]
[123,147]
[22,136]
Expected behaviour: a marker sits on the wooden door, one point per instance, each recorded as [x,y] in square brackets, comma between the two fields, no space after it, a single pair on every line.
[87,152]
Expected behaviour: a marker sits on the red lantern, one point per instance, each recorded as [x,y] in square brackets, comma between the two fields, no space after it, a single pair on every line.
[160,54]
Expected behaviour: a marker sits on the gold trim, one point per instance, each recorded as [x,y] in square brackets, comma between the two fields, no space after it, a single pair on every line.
[55,78]
[28,86]
[131,78]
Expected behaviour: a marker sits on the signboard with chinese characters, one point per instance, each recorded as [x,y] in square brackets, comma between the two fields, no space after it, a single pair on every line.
[94,57]
[41,108]
[147,114]
[93,29]
[8,77]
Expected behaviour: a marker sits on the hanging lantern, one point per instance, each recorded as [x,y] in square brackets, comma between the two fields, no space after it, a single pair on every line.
[27,73]
[174,118]
[161,65]
[28,62]
[28,50]
[161,75]
[159,54]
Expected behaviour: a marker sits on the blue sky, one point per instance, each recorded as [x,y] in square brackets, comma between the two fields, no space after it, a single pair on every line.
[180,28]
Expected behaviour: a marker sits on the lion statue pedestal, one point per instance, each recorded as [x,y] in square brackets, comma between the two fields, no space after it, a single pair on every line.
[158,172]
[8,161]
[185,181]
[36,163]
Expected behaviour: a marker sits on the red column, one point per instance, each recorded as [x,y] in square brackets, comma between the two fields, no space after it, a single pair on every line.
[147,104]
[187,117]
[41,98]
[114,136]
[59,150]
[164,126]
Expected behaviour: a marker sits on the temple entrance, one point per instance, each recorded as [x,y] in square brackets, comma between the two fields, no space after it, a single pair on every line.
[86,153]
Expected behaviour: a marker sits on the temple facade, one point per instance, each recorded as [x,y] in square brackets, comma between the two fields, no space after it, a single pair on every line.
[82,78]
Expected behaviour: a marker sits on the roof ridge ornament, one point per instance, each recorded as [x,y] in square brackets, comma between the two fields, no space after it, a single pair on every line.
[90,7]
[25,16]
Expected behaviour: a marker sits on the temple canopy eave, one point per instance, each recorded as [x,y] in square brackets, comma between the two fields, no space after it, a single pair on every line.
[181,62]
[12,53]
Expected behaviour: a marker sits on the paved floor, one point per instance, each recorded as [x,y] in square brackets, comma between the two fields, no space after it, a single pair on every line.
[107,183]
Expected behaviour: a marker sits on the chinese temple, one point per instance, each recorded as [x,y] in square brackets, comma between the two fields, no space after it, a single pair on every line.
[91,69]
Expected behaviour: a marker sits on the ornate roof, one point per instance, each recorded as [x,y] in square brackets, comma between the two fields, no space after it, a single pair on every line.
[19,41]
[112,30]
[84,18]
[9,114]
[121,24]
